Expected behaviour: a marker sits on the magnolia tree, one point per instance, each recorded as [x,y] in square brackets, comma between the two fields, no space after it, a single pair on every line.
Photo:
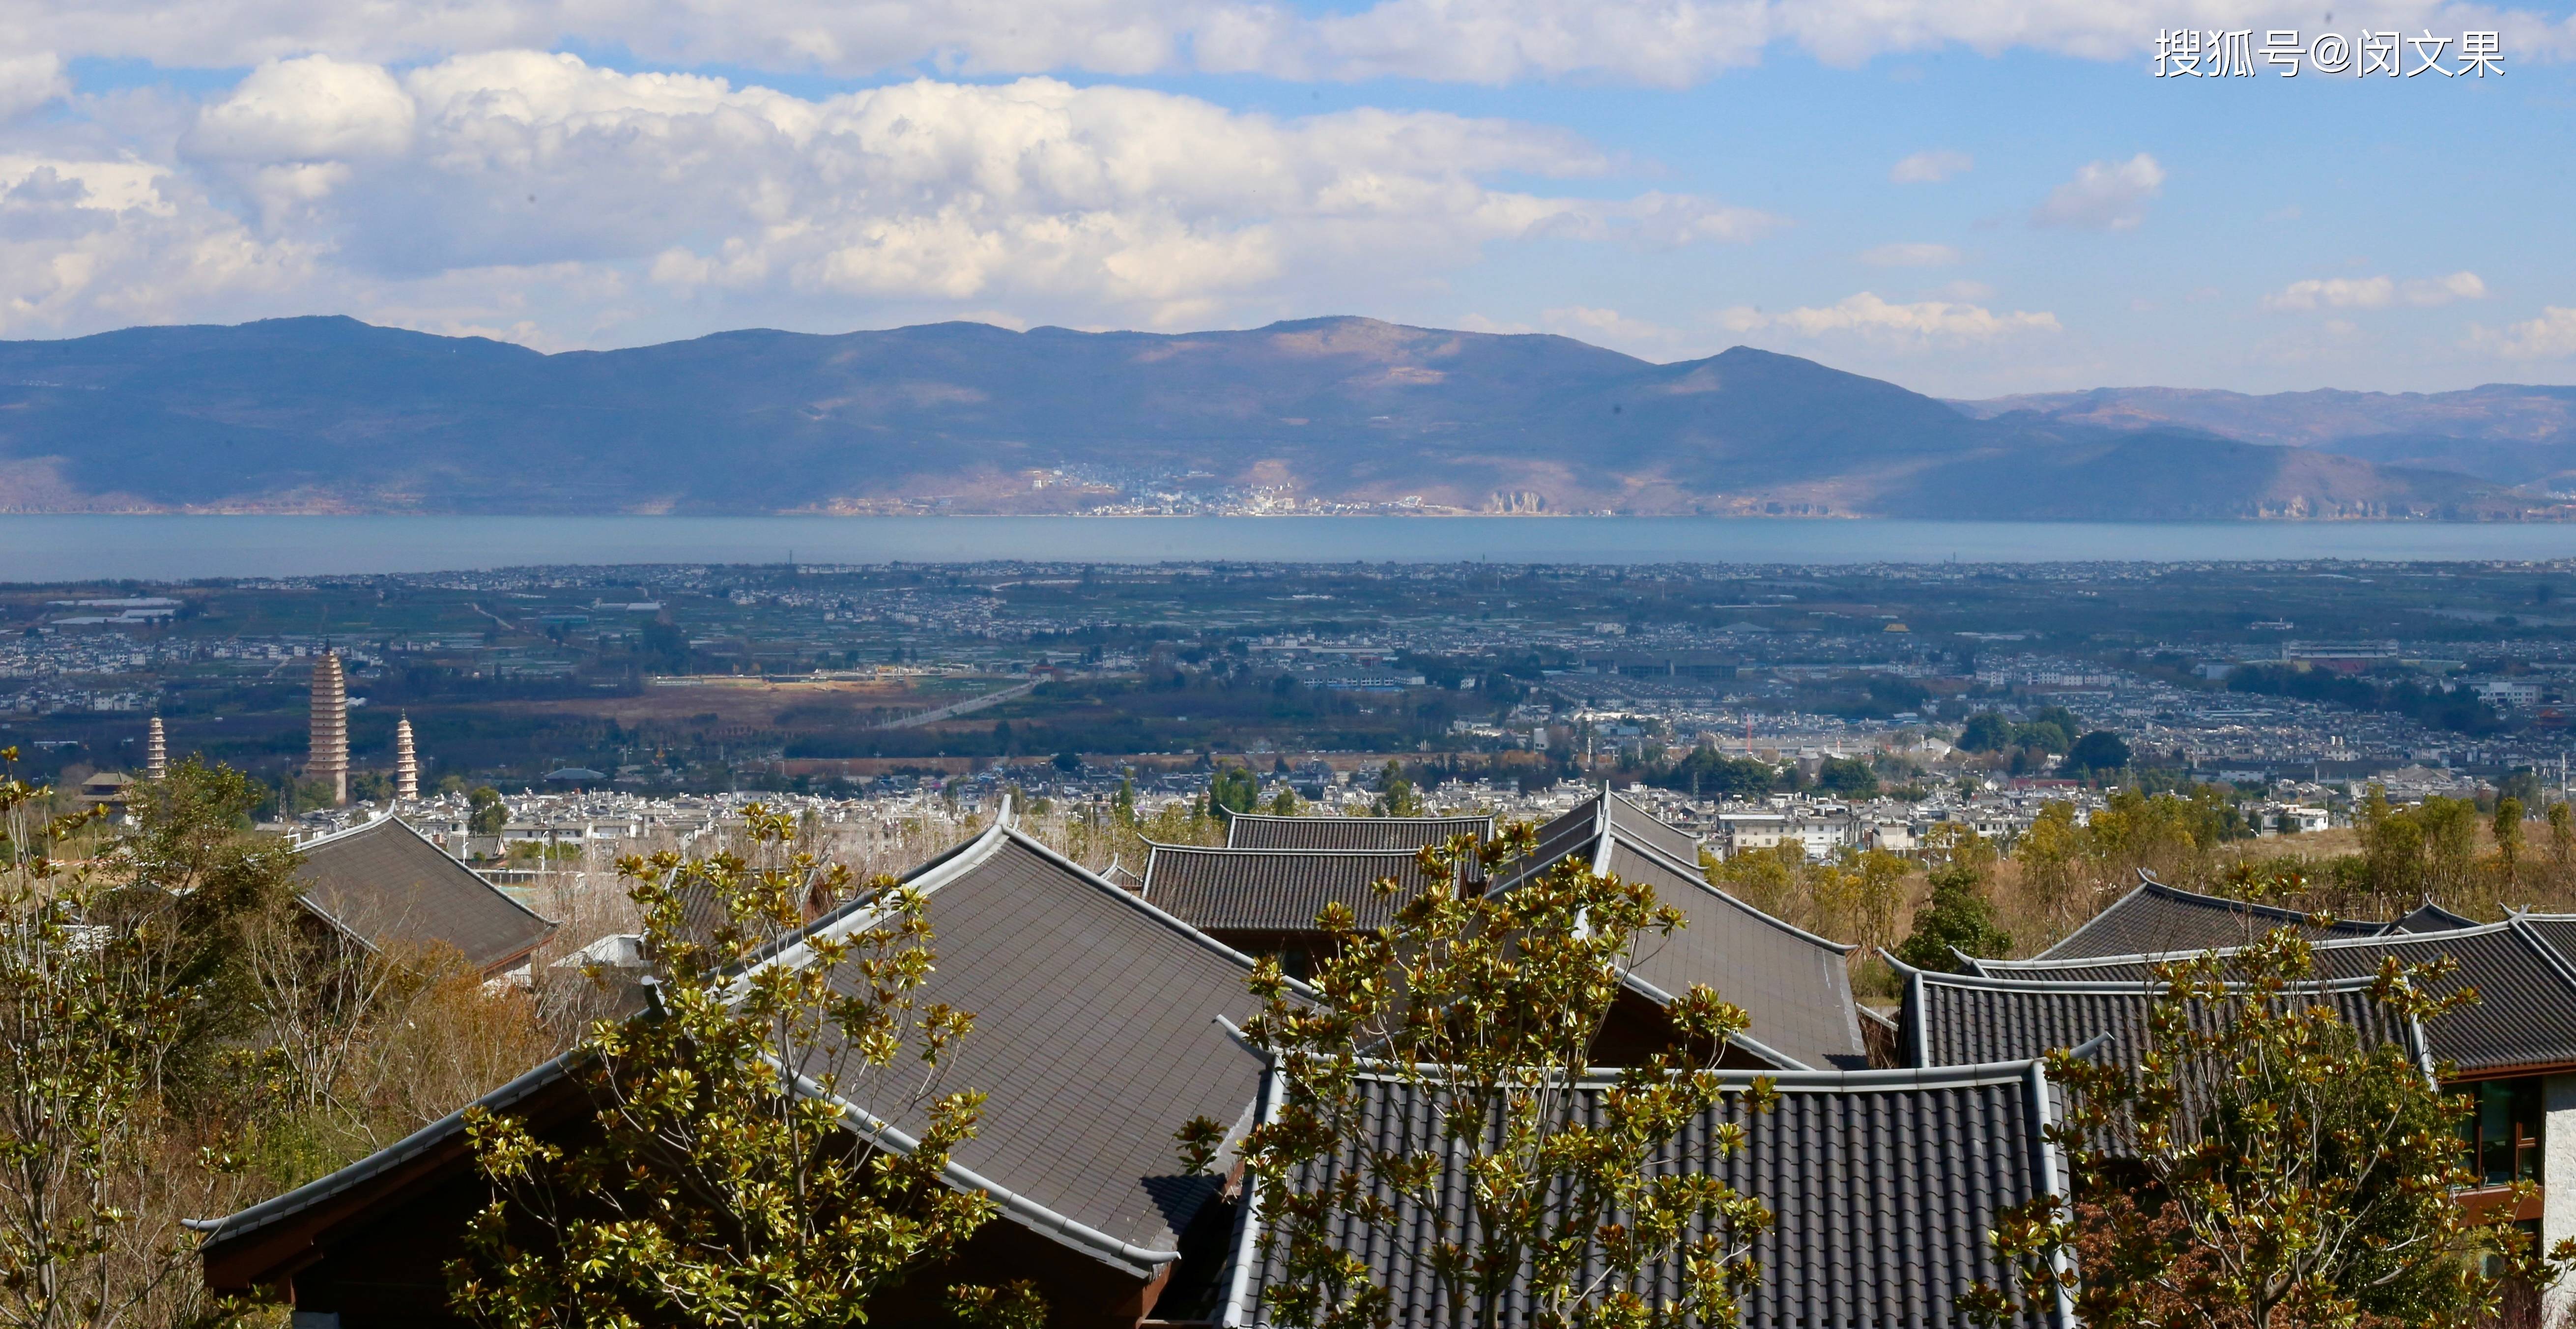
[727,1179]
[1575,1202]
[2263,1166]
[96,1006]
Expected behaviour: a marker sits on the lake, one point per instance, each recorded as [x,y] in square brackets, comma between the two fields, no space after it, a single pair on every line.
[70,548]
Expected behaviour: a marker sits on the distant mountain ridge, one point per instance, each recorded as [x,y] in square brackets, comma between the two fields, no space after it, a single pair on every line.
[334,415]
[2505,433]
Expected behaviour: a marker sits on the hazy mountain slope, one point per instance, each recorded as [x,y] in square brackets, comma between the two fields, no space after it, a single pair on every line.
[2507,433]
[328,414]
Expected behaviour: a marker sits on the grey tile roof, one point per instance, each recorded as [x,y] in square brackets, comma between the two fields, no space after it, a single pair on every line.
[384,884]
[1884,1183]
[2524,1018]
[2431,917]
[1276,890]
[1966,1019]
[2156,918]
[1640,825]
[1793,983]
[1246,830]
[1096,1036]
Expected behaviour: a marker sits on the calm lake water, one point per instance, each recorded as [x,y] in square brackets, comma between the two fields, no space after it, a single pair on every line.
[67,548]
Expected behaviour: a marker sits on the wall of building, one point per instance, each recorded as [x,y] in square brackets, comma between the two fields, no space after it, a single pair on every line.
[2558,1180]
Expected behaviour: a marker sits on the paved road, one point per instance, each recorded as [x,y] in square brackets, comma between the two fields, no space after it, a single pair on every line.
[955,709]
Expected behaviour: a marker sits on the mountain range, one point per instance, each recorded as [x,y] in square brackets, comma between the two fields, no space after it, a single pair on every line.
[335,415]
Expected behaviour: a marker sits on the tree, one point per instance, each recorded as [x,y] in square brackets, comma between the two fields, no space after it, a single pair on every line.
[2508,838]
[1395,795]
[1987,731]
[485,813]
[2261,1167]
[2049,853]
[1958,918]
[1708,773]
[2097,753]
[727,1179]
[1849,776]
[1487,1008]
[92,1013]
[1284,803]
[1231,790]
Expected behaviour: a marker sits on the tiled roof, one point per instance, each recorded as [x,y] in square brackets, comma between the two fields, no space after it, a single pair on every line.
[1966,1020]
[1638,824]
[1276,890]
[2524,1018]
[2431,917]
[1793,983]
[382,883]
[1096,1037]
[1246,830]
[2157,918]
[1885,1185]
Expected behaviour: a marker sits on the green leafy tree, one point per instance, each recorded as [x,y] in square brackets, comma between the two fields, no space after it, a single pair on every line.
[1958,918]
[93,1011]
[2100,752]
[1708,773]
[728,1180]
[1487,1008]
[1395,793]
[1284,803]
[2508,838]
[2261,1168]
[1849,776]
[1231,790]
[1986,731]
[485,813]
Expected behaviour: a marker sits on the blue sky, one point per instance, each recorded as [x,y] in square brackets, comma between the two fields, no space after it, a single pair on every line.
[1665,177]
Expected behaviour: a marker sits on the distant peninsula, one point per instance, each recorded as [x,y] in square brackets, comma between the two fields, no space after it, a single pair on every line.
[1318,416]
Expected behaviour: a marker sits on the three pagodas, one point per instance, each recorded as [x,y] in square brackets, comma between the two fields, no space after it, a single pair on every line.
[329,742]
[329,761]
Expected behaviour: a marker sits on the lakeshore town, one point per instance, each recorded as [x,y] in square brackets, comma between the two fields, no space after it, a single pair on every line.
[604,704]
[1924,844]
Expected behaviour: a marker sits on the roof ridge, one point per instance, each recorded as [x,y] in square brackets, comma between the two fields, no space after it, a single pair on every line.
[2037,963]
[1286,850]
[1876,1079]
[1132,899]
[1696,876]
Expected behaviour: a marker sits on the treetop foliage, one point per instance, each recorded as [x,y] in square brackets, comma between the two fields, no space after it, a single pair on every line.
[1486,1008]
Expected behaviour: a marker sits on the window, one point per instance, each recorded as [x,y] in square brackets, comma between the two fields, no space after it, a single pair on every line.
[2503,1131]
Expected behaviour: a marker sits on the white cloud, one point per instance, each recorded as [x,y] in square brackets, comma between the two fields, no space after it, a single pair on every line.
[1930,167]
[2104,195]
[30,81]
[1910,255]
[2333,293]
[2375,292]
[95,243]
[2552,336]
[310,109]
[528,190]
[2444,290]
[1659,42]
[1867,315]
